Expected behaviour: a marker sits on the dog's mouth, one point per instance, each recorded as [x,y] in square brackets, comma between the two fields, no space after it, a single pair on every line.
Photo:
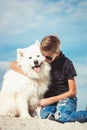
[37,68]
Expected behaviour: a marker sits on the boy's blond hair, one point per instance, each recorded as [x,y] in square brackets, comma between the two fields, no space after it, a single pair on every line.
[50,43]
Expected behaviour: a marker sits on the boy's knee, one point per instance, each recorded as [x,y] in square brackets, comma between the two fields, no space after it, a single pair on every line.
[61,117]
[43,113]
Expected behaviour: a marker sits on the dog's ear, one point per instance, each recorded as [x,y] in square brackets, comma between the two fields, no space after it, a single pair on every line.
[20,52]
[37,43]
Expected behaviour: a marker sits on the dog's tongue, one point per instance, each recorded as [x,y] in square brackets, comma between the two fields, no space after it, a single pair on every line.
[37,69]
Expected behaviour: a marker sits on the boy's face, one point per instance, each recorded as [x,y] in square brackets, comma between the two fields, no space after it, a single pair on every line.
[50,56]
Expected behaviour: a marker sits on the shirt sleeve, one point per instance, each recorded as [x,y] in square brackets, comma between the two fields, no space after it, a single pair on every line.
[70,70]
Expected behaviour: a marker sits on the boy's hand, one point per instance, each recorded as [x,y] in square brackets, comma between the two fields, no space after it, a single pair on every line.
[44,102]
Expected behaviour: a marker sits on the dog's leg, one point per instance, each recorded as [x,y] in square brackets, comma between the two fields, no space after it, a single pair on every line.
[32,110]
[33,106]
[7,105]
[38,111]
[23,107]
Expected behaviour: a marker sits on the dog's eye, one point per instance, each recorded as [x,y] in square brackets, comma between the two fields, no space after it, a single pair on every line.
[38,55]
[30,57]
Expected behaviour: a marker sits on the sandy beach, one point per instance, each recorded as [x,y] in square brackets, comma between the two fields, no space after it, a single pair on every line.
[12,123]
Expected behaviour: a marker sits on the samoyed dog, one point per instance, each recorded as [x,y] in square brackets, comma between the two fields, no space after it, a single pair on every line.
[19,94]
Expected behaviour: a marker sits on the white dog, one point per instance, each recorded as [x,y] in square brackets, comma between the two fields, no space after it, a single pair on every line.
[20,94]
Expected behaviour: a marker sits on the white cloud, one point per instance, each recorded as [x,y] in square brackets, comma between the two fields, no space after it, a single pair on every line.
[81,81]
[81,67]
[17,13]
[3,67]
[82,74]
[22,15]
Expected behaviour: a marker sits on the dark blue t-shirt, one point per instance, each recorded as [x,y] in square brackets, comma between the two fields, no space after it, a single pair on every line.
[62,69]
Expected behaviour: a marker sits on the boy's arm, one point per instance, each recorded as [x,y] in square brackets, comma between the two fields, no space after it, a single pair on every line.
[14,66]
[70,93]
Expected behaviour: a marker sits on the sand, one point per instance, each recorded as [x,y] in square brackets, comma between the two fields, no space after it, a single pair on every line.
[12,123]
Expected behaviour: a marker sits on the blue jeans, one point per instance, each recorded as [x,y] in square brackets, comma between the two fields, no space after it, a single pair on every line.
[64,111]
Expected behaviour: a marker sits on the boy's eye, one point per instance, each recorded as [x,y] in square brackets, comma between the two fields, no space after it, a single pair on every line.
[30,57]
[38,55]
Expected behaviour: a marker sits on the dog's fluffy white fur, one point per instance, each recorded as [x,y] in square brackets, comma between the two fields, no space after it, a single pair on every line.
[20,94]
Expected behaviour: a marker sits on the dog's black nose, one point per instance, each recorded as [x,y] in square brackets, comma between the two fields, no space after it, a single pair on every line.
[36,62]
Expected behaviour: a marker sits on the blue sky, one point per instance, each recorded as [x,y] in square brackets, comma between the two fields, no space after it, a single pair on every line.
[24,21]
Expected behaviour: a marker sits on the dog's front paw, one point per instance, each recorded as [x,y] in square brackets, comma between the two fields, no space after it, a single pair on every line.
[10,114]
